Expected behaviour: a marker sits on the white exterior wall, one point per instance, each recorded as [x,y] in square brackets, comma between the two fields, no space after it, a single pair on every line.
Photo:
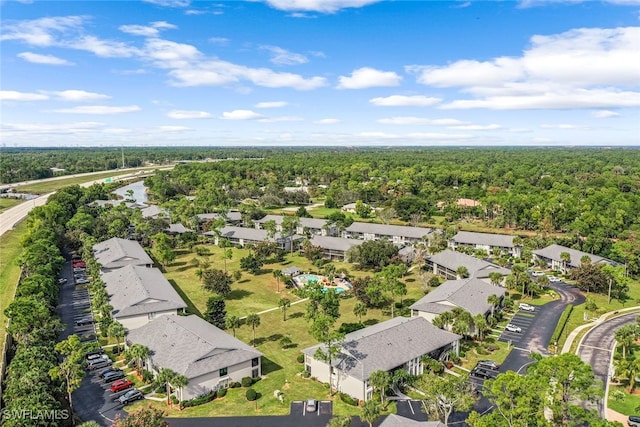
[428,316]
[205,383]
[133,322]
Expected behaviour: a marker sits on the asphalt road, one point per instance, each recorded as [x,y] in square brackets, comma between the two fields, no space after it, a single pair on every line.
[596,347]
[536,335]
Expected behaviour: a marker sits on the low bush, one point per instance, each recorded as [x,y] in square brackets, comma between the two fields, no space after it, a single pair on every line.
[300,358]
[306,374]
[246,382]
[348,399]
[251,395]
[235,384]
[199,400]
[562,322]
[222,392]
[174,399]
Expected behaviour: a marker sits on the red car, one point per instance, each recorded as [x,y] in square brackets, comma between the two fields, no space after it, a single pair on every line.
[80,264]
[121,385]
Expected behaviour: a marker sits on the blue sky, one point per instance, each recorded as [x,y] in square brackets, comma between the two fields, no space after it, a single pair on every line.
[320,73]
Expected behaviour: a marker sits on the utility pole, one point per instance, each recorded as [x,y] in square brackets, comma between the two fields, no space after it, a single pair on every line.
[122,157]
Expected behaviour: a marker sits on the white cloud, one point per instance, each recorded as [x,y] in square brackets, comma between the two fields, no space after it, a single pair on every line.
[604,114]
[580,68]
[280,56]
[328,121]
[281,119]
[324,6]
[222,41]
[240,115]
[37,58]
[50,128]
[12,95]
[476,127]
[173,128]
[169,3]
[98,109]
[420,121]
[405,101]
[563,126]
[416,136]
[78,95]
[271,104]
[41,32]
[184,114]
[145,30]
[103,48]
[117,131]
[366,77]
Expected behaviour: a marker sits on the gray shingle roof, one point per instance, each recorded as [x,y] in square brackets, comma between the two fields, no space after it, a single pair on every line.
[178,228]
[389,230]
[477,267]
[152,211]
[388,345]
[191,346]
[291,271]
[335,243]
[553,252]
[316,223]
[471,238]
[116,252]
[244,233]
[135,290]
[469,294]
[231,216]
[277,218]
[394,420]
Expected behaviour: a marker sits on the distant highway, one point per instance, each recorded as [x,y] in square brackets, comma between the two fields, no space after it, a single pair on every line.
[12,216]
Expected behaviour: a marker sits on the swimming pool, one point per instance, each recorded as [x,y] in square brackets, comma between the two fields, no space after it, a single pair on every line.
[339,285]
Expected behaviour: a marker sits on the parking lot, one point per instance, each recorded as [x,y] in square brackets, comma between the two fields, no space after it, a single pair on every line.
[522,319]
[323,408]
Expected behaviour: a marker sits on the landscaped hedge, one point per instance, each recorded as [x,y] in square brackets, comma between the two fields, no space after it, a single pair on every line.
[247,382]
[562,323]
[348,399]
[199,400]
[251,395]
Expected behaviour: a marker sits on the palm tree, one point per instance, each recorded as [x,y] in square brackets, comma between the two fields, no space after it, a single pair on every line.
[284,304]
[278,275]
[494,300]
[626,335]
[565,257]
[166,376]
[370,412]
[495,278]
[360,309]
[227,254]
[481,326]
[232,322]
[253,320]
[462,272]
[630,369]
[117,331]
[138,353]
[180,382]
[380,380]
[341,421]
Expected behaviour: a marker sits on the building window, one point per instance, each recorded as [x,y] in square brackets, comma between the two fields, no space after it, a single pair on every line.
[255,373]
[151,316]
[307,368]
[223,372]
[255,362]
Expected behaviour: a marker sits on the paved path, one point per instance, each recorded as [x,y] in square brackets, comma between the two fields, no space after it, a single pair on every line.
[276,308]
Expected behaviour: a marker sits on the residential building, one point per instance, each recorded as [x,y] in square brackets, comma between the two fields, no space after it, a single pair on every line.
[178,228]
[491,243]
[140,294]
[447,262]
[209,357]
[398,234]
[335,248]
[469,294]
[306,226]
[552,257]
[244,236]
[116,253]
[230,218]
[398,343]
[291,271]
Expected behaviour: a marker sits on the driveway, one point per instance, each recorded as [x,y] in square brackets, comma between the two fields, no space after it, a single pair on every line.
[538,332]
[92,400]
[596,346]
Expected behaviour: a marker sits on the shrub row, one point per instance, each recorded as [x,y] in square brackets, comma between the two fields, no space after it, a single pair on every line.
[199,400]
[564,317]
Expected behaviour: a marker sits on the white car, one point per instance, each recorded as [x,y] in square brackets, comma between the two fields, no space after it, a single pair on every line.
[512,328]
[554,279]
[526,307]
[537,273]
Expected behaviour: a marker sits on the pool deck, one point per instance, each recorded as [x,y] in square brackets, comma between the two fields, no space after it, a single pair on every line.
[338,282]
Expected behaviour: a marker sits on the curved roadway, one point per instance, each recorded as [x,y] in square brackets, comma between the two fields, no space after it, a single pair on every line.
[596,348]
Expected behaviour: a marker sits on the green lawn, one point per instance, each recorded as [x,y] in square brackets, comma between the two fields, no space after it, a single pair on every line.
[6,203]
[10,250]
[628,405]
[49,186]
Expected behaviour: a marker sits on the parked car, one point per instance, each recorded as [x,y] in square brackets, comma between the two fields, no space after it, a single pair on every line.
[101,362]
[537,273]
[479,372]
[633,420]
[554,279]
[95,356]
[311,405]
[104,371]
[84,321]
[513,328]
[82,281]
[131,396]
[121,385]
[489,364]
[62,280]
[110,377]
[79,270]
[526,307]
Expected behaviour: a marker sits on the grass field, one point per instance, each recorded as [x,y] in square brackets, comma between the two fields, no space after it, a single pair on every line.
[6,203]
[10,250]
[53,185]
